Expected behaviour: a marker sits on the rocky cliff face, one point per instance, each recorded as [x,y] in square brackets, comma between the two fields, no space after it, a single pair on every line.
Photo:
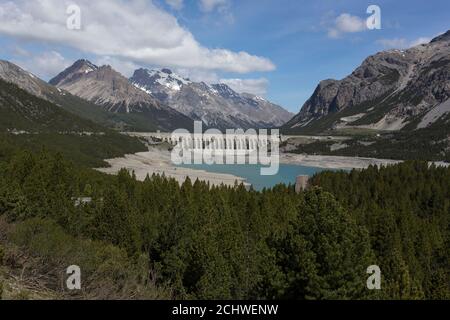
[25,80]
[391,90]
[216,105]
[106,87]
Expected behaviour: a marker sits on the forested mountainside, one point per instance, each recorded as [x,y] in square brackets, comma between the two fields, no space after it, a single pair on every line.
[33,123]
[406,210]
[157,239]
[427,144]
[21,111]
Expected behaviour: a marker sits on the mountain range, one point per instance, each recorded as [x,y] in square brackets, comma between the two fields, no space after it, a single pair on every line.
[169,98]
[217,105]
[25,80]
[105,87]
[392,90]
[406,91]
[151,100]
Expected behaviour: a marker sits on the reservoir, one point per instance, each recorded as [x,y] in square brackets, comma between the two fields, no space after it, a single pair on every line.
[252,174]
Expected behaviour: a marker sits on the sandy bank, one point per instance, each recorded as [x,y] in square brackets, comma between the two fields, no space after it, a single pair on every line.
[157,161]
[333,162]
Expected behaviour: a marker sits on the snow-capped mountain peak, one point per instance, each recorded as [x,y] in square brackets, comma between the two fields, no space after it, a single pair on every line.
[112,91]
[217,105]
[162,77]
[78,69]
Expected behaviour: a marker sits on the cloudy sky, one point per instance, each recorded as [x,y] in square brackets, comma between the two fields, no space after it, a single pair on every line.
[279,49]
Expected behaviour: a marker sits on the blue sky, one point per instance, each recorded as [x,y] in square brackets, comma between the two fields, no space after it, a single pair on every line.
[277,48]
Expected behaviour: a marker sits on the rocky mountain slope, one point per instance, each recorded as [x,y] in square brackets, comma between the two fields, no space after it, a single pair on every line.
[106,87]
[216,105]
[392,90]
[12,73]
[149,101]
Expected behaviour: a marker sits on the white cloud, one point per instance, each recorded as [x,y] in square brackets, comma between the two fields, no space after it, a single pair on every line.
[402,43]
[222,7]
[346,23]
[45,65]
[255,86]
[134,30]
[18,51]
[211,5]
[197,75]
[125,67]
[419,41]
[398,43]
[175,4]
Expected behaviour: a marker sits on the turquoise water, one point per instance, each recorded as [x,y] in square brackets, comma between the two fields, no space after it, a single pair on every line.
[287,173]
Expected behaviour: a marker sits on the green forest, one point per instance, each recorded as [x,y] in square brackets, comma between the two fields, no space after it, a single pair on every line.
[158,240]
[84,150]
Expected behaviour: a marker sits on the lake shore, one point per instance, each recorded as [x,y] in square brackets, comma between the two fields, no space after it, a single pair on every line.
[158,161]
[333,162]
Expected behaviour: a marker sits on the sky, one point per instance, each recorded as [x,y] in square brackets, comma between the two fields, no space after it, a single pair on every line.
[277,49]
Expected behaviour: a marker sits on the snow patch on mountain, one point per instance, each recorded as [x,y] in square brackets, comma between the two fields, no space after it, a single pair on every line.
[168,79]
[142,88]
[217,105]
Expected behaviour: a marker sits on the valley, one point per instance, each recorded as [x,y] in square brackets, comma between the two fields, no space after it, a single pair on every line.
[157,161]
[139,161]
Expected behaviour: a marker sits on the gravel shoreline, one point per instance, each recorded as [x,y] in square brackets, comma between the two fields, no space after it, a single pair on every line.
[157,161]
[334,162]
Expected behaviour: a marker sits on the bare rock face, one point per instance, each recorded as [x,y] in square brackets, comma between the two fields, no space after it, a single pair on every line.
[74,72]
[388,91]
[25,80]
[216,105]
[103,86]
[108,88]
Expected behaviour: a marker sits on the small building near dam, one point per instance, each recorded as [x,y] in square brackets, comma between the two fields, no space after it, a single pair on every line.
[301,183]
